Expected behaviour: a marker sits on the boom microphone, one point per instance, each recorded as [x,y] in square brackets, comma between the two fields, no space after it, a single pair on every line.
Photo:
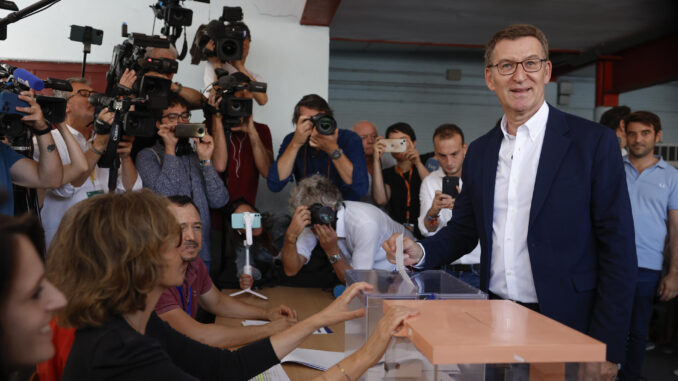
[28,79]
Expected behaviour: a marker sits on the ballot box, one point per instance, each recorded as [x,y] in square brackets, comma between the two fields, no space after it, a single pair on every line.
[483,339]
[429,285]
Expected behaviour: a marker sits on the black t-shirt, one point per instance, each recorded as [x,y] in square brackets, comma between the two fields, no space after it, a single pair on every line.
[397,204]
[115,351]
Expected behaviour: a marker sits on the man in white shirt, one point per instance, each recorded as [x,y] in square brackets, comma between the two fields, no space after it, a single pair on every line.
[79,117]
[545,194]
[436,207]
[349,232]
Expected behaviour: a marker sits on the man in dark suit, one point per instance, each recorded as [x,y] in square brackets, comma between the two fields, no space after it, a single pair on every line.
[545,194]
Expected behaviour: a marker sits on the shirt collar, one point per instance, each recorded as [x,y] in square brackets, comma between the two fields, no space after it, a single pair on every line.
[76,134]
[535,125]
[341,228]
[661,163]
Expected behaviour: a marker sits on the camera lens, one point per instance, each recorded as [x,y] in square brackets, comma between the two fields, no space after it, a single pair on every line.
[229,48]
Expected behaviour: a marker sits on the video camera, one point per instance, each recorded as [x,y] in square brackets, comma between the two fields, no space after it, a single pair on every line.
[233,109]
[228,38]
[176,17]
[18,80]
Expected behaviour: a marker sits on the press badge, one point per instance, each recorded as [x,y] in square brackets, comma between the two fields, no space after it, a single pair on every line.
[94,193]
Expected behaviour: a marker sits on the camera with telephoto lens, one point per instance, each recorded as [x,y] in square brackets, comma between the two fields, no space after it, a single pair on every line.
[228,34]
[325,124]
[18,80]
[321,215]
[233,109]
[133,123]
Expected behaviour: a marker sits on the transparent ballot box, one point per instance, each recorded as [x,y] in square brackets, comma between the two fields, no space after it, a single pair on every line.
[430,285]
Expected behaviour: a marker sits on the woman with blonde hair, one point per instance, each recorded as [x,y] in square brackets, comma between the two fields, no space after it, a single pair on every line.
[114,255]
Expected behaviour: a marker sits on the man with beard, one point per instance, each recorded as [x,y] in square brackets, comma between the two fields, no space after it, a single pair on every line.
[653,189]
[178,306]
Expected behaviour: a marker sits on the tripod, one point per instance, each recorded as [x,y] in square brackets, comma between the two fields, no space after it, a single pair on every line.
[247,269]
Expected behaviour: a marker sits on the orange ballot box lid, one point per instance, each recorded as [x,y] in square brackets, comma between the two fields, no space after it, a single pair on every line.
[493,331]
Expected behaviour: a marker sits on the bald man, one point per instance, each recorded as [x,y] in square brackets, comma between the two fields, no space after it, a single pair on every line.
[368,133]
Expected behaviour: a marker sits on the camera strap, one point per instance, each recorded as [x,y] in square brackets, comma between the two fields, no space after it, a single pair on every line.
[409,192]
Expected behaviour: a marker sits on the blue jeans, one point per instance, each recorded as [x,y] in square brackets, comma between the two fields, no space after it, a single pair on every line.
[646,291]
[471,277]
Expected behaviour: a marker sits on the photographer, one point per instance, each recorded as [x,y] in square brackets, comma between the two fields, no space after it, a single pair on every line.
[22,171]
[171,167]
[94,180]
[321,217]
[249,150]
[338,156]
[214,62]
[192,96]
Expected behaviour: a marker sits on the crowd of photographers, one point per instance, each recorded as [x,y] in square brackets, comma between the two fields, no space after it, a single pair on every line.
[80,159]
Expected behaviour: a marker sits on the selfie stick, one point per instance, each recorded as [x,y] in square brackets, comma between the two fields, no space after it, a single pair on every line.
[247,219]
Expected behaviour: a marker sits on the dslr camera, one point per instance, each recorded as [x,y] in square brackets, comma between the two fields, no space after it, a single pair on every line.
[322,215]
[233,109]
[324,123]
[228,34]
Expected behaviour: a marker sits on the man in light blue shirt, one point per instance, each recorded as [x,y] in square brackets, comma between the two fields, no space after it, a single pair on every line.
[653,190]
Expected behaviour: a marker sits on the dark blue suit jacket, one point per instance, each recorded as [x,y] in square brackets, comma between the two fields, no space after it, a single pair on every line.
[580,235]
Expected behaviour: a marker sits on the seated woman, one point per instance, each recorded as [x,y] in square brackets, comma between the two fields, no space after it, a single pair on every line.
[114,255]
[27,298]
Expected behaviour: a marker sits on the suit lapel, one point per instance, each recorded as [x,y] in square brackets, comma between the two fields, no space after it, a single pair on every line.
[491,160]
[556,144]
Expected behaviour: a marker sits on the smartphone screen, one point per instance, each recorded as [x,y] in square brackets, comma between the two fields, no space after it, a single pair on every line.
[450,184]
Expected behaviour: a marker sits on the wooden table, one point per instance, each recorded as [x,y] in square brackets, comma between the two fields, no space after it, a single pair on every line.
[306,301]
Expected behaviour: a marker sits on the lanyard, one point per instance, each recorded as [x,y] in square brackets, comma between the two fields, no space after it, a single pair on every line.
[409,193]
[181,296]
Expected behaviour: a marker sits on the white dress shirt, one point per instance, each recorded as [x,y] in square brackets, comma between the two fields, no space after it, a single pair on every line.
[510,270]
[361,228]
[432,183]
[58,201]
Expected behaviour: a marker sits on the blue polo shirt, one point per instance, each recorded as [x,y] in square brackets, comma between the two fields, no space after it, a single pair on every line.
[7,159]
[310,161]
[653,193]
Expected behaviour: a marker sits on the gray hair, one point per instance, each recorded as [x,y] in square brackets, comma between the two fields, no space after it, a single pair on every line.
[315,189]
[151,50]
[66,94]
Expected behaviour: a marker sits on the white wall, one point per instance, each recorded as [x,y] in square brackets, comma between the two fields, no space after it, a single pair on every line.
[293,59]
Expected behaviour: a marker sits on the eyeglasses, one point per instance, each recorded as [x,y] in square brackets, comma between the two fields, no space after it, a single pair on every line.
[173,117]
[530,65]
[83,93]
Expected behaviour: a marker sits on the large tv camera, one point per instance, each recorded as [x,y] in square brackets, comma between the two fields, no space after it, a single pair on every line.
[228,34]
[233,108]
[18,80]
[176,17]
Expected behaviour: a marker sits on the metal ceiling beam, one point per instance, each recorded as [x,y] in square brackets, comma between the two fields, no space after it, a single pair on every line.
[319,12]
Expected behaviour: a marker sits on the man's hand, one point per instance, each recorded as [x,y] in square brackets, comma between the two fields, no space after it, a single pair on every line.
[412,252]
[326,143]
[34,117]
[440,201]
[125,147]
[301,219]
[668,288]
[170,140]
[303,130]
[379,148]
[338,311]
[204,147]
[281,312]
[128,78]
[411,153]
[247,126]
[594,371]
[280,325]
[327,238]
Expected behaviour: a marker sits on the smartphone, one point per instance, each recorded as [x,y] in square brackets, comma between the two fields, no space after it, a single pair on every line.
[84,33]
[238,223]
[190,130]
[450,184]
[395,145]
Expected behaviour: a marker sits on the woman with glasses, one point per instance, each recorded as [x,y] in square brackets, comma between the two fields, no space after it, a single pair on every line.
[173,167]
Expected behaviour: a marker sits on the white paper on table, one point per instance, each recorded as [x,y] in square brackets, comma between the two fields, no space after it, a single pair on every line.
[319,331]
[400,262]
[313,358]
[274,373]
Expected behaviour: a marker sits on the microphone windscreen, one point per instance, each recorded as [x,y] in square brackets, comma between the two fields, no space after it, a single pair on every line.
[27,78]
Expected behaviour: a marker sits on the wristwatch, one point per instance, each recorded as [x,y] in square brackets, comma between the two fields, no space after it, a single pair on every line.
[336,153]
[334,258]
